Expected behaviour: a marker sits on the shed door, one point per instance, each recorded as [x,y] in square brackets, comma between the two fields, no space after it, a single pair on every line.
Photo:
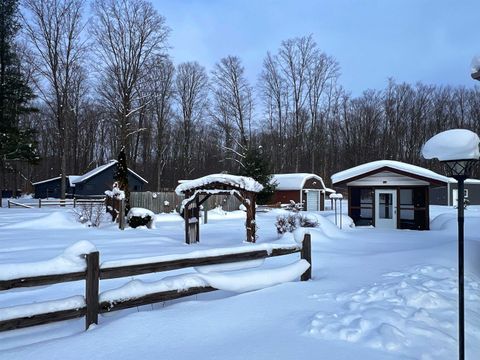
[313,199]
[386,209]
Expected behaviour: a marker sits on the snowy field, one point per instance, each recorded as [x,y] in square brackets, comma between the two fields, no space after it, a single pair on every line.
[375,294]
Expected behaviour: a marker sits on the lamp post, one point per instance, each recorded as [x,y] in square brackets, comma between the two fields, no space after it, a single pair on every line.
[460,170]
[458,149]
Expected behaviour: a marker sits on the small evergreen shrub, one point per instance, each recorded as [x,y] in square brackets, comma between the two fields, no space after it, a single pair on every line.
[140,217]
[136,221]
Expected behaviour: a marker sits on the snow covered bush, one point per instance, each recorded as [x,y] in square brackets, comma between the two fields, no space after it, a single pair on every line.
[286,223]
[305,221]
[290,222]
[293,206]
[90,214]
[140,217]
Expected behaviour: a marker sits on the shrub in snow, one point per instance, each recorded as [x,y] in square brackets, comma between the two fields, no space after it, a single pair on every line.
[90,214]
[286,223]
[140,217]
[305,221]
[293,206]
[290,222]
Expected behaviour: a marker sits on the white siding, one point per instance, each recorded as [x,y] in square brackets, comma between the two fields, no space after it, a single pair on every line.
[387,178]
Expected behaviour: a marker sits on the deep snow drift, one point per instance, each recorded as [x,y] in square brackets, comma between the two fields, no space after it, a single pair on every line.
[375,294]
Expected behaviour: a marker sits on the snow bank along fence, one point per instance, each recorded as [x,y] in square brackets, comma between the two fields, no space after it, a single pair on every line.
[58,202]
[166,201]
[91,305]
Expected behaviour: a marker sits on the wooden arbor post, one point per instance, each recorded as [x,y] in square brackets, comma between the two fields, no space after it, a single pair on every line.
[248,199]
[191,215]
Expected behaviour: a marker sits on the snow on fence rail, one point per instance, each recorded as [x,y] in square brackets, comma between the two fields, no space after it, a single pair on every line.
[58,202]
[136,292]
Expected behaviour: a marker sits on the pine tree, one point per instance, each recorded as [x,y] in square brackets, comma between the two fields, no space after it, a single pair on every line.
[257,166]
[16,143]
[121,177]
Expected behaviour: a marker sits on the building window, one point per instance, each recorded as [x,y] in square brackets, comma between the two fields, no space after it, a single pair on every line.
[361,206]
[413,208]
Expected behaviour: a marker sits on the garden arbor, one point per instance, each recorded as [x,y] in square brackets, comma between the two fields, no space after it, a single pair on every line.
[197,191]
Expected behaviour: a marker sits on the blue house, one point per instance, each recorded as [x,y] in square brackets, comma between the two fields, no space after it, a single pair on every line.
[92,183]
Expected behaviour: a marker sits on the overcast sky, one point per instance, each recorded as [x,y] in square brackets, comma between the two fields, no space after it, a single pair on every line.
[409,40]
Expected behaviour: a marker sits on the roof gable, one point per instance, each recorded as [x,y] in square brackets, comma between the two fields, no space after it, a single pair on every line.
[102,168]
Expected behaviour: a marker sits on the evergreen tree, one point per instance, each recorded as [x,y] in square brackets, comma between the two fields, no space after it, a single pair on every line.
[16,143]
[121,177]
[257,166]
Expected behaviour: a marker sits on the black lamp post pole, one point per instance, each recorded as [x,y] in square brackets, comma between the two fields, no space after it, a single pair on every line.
[461,288]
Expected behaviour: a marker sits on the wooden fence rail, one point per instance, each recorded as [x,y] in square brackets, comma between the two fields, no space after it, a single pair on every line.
[94,273]
[57,202]
[11,203]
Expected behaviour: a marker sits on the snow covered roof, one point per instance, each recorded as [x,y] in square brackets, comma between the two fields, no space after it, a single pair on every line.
[101,168]
[294,181]
[72,179]
[241,182]
[342,176]
[45,181]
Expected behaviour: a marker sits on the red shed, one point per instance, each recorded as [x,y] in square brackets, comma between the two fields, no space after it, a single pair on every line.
[308,189]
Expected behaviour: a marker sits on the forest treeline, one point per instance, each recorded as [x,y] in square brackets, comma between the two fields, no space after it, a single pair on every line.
[102,80]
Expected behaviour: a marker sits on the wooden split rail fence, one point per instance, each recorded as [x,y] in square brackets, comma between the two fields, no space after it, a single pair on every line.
[57,202]
[94,273]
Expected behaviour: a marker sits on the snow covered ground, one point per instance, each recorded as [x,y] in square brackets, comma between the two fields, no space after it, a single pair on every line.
[375,294]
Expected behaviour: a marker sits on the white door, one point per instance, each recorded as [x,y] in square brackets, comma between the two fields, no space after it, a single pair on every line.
[313,199]
[386,209]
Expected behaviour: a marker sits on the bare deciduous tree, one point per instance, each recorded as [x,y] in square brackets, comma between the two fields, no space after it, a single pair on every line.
[191,87]
[54,30]
[233,98]
[128,33]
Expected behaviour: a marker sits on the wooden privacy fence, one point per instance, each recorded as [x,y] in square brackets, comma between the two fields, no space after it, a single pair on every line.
[94,273]
[166,201]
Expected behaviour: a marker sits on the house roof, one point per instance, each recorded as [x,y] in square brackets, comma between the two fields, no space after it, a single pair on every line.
[100,169]
[45,181]
[385,165]
[72,179]
[295,181]
[242,182]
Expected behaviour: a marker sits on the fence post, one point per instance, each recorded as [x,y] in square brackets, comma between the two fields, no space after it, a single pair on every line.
[121,220]
[8,202]
[91,288]
[39,203]
[306,254]
[74,202]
